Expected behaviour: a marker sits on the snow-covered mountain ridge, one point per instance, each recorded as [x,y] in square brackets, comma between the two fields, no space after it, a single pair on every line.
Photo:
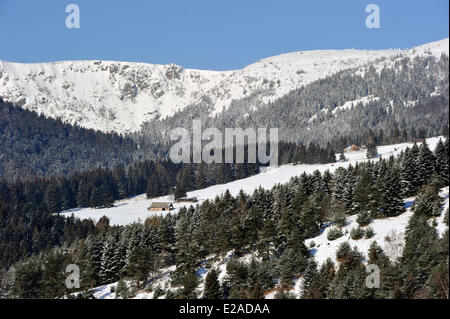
[120,96]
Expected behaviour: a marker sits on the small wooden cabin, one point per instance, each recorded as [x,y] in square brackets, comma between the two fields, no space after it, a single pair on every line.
[160,206]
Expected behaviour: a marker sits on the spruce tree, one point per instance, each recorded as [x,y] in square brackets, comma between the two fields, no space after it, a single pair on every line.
[212,286]
[409,173]
[96,198]
[201,179]
[388,185]
[83,195]
[190,283]
[426,162]
[363,218]
[310,277]
[120,180]
[122,290]
[109,266]
[428,202]
[140,264]
[441,155]
[371,151]
[362,193]
[52,198]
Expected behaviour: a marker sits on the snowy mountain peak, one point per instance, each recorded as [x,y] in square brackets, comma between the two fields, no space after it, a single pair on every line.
[120,96]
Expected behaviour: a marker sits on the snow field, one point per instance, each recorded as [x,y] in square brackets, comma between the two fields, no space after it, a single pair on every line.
[134,209]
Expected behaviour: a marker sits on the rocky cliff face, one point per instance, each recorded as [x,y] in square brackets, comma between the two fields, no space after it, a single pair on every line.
[120,96]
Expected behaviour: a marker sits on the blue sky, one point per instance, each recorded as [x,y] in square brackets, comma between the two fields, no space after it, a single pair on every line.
[210,34]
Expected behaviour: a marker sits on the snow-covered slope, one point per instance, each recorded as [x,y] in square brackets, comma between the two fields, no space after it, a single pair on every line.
[388,233]
[135,209]
[120,96]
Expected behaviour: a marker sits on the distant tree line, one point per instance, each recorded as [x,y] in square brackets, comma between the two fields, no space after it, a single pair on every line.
[32,145]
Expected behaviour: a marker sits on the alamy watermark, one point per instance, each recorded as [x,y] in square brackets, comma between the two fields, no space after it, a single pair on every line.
[73,19]
[373,279]
[253,142]
[73,279]
[373,19]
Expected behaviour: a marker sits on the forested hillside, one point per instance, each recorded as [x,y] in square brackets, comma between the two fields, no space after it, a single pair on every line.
[32,145]
[273,224]
[404,97]
[49,169]
[403,100]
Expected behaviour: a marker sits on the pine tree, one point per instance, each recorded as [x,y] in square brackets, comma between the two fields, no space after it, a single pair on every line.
[363,218]
[67,196]
[371,146]
[52,276]
[288,267]
[309,220]
[96,198]
[428,202]
[7,280]
[28,277]
[52,198]
[180,191]
[94,254]
[388,186]
[83,195]
[102,224]
[120,179]
[426,162]
[185,181]
[107,194]
[441,155]
[347,195]
[377,256]
[420,236]
[109,266]
[409,173]
[340,182]
[201,178]
[120,255]
[338,217]
[224,173]
[326,276]
[190,283]
[153,186]
[122,290]
[140,264]
[240,171]
[362,193]
[186,257]
[309,279]
[238,239]
[212,286]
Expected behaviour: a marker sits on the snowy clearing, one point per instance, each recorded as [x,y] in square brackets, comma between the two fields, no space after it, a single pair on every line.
[134,209]
[389,233]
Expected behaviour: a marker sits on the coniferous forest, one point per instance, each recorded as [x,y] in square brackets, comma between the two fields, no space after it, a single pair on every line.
[362,148]
[274,223]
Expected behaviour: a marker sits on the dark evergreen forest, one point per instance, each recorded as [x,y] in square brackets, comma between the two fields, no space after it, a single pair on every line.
[274,223]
